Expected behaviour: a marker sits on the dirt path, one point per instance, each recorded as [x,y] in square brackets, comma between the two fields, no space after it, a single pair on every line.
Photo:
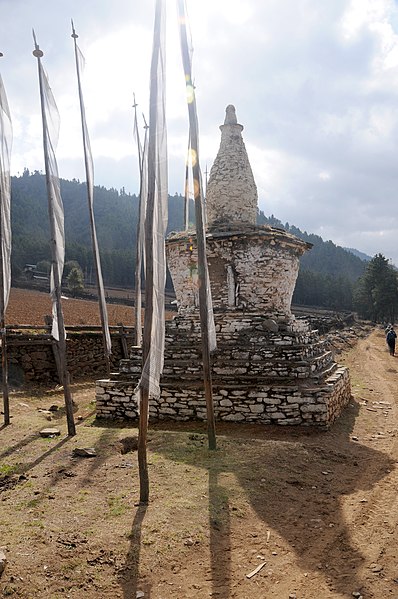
[373,526]
[318,508]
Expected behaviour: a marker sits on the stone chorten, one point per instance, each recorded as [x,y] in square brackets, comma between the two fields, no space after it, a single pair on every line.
[231,190]
[268,367]
[251,267]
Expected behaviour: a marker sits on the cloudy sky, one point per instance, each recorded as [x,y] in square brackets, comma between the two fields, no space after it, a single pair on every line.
[315,84]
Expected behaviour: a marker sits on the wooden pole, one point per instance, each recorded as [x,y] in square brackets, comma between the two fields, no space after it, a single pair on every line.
[200,231]
[4,364]
[57,359]
[146,341]
[146,346]
[123,341]
[94,243]
[138,298]
[4,361]
[142,446]
[186,196]
[139,241]
[203,312]
[56,274]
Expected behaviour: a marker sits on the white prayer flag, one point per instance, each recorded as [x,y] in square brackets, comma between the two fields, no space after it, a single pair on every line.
[5,194]
[50,120]
[88,160]
[140,245]
[156,214]
[197,175]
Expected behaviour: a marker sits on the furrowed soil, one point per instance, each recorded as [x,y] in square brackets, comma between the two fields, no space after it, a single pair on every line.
[28,306]
[313,513]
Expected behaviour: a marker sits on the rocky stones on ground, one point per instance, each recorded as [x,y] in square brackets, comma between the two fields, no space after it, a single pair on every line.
[376,568]
[50,432]
[339,339]
[3,562]
[84,452]
[128,444]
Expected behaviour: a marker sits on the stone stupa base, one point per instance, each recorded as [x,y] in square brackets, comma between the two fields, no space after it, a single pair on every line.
[264,371]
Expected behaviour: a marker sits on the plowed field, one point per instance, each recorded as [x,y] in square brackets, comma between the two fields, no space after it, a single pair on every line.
[27,306]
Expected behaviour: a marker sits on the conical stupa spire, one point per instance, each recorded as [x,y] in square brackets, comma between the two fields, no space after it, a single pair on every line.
[231,191]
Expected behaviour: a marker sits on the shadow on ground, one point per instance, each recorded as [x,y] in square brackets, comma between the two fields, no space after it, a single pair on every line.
[295,485]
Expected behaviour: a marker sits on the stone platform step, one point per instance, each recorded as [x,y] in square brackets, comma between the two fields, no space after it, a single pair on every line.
[233,380]
[194,350]
[235,367]
[194,380]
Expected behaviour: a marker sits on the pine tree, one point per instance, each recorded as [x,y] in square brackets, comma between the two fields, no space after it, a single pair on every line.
[376,292]
[75,281]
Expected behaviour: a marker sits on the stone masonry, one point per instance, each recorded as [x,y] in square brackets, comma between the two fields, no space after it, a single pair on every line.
[259,375]
[231,190]
[268,367]
[31,355]
[250,268]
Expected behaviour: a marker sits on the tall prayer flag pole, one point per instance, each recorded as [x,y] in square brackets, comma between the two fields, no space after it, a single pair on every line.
[140,236]
[5,236]
[88,161]
[205,302]
[50,121]
[155,231]
[186,186]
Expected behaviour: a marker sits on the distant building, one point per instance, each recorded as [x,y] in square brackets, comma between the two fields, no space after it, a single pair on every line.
[32,274]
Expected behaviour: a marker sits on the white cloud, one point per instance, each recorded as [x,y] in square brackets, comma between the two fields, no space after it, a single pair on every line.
[324,176]
[315,85]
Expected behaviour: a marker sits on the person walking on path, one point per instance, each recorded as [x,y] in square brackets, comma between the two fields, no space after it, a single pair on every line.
[390,338]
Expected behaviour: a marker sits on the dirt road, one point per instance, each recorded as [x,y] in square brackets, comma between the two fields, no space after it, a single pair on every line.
[318,510]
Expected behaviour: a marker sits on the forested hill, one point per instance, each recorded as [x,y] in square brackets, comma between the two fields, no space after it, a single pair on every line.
[359,254]
[325,257]
[116,217]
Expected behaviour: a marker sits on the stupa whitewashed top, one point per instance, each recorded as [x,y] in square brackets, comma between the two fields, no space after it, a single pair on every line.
[231,196]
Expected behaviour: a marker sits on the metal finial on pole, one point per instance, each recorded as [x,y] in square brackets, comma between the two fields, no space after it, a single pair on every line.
[36,52]
[74,34]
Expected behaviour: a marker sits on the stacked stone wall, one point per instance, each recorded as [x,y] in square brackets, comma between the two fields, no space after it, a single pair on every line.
[283,405]
[32,360]
[278,376]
